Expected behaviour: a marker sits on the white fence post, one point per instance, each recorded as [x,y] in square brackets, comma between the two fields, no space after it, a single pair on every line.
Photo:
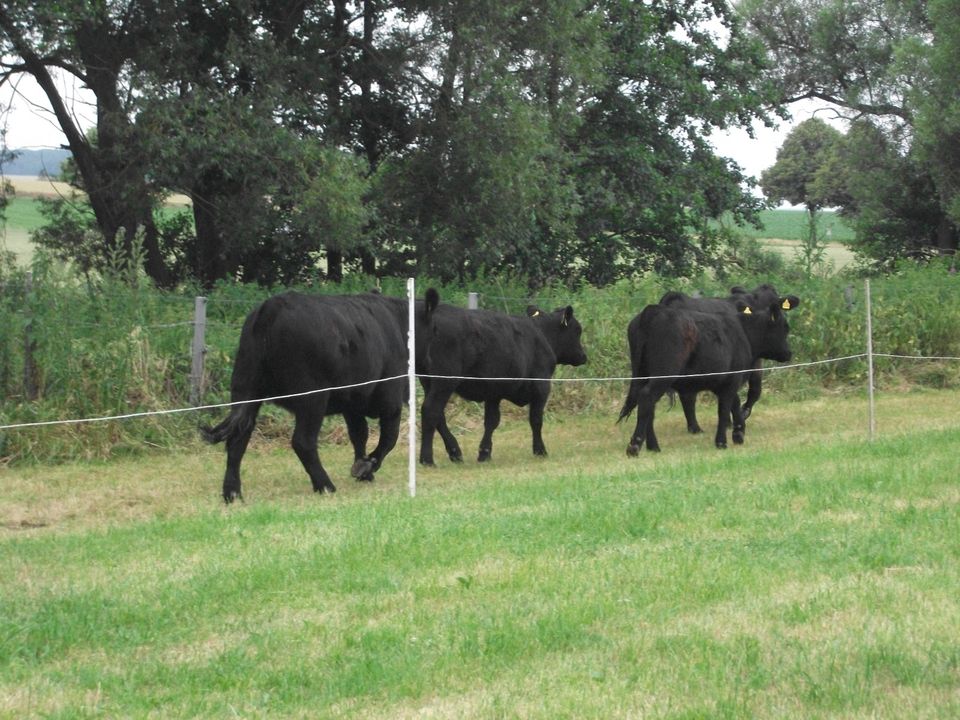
[873,419]
[412,387]
[473,301]
[198,349]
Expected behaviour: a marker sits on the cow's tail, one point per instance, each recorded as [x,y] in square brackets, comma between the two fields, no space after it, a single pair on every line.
[631,402]
[635,339]
[240,421]
[243,384]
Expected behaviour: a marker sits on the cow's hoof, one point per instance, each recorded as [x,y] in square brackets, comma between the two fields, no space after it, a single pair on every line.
[328,488]
[230,495]
[540,453]
[363,470]
[484,456]
[694,429]
[427,463]
[721,446]
[633,450]
[457,458]
[746,410]
[738,437]
[653,448]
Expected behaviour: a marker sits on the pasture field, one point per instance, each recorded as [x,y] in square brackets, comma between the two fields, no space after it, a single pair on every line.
[808,574]
[788,224]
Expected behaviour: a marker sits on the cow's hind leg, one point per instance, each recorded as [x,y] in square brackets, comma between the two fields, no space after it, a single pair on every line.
[725,402]
[450,443]
[359,432]
[536,424]
[236,444]
[306,432]
[643,432]
[432,419]
[688,401]
[364,468]
[491,420]
[739,420]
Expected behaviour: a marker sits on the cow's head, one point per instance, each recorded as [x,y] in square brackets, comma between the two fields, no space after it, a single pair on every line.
[562,330]
[767,328]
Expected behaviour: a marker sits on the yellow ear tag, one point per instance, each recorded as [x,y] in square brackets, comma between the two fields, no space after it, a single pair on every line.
[747,311]
[786,304]
[536,314]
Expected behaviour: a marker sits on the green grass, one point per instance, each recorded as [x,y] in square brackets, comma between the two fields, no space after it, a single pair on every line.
[809,573]
[22,216]
[790,225]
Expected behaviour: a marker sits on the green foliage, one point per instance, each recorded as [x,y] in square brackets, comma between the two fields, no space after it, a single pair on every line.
[891,202]
[554,141]
[891,65]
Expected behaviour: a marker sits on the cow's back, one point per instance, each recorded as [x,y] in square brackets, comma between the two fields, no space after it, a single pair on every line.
[307,342]
[668,340]
[487,344]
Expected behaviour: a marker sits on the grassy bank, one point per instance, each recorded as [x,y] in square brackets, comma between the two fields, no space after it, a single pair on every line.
[807,574]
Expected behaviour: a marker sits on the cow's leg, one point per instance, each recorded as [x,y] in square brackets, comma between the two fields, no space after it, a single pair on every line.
[431,418]
[652,444]
[491,419]
[688,401]
[536,423]
[646,401]
[306,432]
[754,389]
[449,441]
[359,432]
[236,444]
[725,401]
[739,420]
[364,468]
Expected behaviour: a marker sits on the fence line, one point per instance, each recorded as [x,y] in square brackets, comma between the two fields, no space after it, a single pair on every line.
[214,406]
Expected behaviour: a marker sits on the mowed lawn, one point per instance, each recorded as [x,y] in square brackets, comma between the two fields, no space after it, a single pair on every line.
[809,573]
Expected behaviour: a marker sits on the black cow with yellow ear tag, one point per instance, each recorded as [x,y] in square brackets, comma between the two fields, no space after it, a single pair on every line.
[488,357]
[687,351]
[760,297]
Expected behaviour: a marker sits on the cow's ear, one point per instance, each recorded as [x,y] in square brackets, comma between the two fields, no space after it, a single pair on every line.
[432,299]
[789,302]
[567,315]
[533,310]
[738,290]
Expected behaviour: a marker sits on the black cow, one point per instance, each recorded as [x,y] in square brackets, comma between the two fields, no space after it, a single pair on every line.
[667,342]
[761,296]
[295,343]
[486,344]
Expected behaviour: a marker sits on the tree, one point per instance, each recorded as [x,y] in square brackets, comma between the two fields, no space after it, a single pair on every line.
[95,43]
[802,175]
[891,61]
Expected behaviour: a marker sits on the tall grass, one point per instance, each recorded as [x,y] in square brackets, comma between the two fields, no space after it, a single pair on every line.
[116,349]
[806,574]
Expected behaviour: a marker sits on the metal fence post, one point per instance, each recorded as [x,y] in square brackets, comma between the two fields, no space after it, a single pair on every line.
[473,301]
[198,349]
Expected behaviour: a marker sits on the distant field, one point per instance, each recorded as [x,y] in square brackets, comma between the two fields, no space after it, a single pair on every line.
[782,229]
[23,211]
[790,224]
